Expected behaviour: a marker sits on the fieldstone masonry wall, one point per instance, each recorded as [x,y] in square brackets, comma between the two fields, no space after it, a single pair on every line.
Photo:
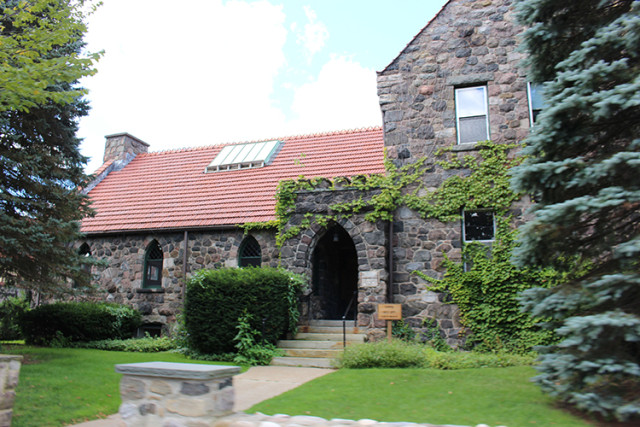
[121,279]
[9,373]
[175,394]
[370,240]
[470,42]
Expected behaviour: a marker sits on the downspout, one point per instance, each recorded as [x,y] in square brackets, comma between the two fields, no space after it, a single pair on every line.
[184,261]
[390,263]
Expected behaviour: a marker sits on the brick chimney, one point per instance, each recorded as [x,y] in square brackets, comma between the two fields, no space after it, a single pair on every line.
[123,147]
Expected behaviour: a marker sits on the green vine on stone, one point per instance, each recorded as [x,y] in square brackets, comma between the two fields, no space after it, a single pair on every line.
[485,186]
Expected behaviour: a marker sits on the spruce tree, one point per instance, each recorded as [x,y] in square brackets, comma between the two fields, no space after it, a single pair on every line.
[41,168]
[583,171]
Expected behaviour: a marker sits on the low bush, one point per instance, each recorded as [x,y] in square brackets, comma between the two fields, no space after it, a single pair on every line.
[383,354]
[11,309]
[140,345]
[400,354]
[60,324]
[216,299]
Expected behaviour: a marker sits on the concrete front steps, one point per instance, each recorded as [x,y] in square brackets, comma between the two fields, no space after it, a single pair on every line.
[316,345]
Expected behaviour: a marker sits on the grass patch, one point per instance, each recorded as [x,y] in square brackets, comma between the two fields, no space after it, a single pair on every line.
[494,396]
[60,386]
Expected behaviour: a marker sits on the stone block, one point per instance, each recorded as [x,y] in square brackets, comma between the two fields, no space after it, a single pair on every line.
[132,389]
[191,407]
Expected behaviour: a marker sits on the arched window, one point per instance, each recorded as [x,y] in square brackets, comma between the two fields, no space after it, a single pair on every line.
[153,266]
[249,253]
[85,252]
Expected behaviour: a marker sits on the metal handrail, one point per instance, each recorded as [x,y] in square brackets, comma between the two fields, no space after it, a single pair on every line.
[344,320]
[308,298]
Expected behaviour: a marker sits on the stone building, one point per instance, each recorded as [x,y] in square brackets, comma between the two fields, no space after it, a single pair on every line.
[456,83]
[161,216]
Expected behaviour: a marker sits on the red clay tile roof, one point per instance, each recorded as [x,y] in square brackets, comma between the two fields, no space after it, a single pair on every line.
[169,189]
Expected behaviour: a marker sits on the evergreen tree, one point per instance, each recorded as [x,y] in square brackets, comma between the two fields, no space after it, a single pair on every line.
[41,168]
[584,172]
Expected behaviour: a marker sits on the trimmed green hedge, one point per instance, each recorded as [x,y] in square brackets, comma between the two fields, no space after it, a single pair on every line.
[216,299]
[66,322]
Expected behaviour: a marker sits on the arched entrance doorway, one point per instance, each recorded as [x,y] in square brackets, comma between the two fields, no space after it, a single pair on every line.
[335,275]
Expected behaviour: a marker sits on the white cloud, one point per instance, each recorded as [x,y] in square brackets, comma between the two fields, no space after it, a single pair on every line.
[204,73]
[183,76]
[313,35]
[343,96]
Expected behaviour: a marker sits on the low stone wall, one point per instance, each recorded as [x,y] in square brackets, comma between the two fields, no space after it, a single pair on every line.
[175,394]
[9,373]
[280,420]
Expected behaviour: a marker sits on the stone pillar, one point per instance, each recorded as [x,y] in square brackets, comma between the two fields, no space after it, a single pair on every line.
[9,372]
[175,394]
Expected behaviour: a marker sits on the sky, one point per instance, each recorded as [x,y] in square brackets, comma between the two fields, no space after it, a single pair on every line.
[203,72]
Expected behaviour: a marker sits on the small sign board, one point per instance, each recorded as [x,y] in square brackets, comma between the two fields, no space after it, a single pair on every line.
[390,311]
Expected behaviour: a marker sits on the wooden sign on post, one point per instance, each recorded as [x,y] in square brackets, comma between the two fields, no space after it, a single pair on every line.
[389,312]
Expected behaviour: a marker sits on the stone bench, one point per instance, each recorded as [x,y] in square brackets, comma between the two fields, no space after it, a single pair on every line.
[175,394]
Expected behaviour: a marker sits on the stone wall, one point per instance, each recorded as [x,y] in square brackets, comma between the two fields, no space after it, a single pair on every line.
[120,280]
[370,240]
[470,42]
[9,373]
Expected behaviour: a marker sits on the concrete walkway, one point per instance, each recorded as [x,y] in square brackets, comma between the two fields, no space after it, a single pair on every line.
[253,386]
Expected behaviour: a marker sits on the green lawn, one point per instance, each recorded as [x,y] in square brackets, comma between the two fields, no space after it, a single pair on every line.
[65,386]
[494,396]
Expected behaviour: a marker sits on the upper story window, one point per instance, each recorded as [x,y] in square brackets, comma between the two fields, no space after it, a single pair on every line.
[153,266]
[536,101]
[249,253]
[472,115]
[478,226]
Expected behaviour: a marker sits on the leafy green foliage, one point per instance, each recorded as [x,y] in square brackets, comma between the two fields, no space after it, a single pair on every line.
[11,309]
[487,187]
[250,351]
[402,354]
[31,32]
[487,294]
[583,164]
[41,168]
[394,354]
[217,298]
[63,323]
[134,345]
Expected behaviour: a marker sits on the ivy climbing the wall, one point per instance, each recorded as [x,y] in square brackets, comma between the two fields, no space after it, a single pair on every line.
[486,288]
[486,285]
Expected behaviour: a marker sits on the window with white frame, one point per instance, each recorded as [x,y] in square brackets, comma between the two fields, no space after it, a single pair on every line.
[472,114]
[478,226]
[536,101]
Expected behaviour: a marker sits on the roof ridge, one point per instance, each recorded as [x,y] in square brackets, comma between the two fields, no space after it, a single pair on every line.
[308,135]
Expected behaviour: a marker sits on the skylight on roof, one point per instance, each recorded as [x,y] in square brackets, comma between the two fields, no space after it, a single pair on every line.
[244,156]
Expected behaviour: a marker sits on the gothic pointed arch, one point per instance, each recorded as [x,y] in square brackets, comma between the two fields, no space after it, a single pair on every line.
[334,263]
[153,258]
[249,253]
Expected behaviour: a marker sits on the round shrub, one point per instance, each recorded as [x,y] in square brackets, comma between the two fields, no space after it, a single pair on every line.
[66,322]
[216,299]
[10,311]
